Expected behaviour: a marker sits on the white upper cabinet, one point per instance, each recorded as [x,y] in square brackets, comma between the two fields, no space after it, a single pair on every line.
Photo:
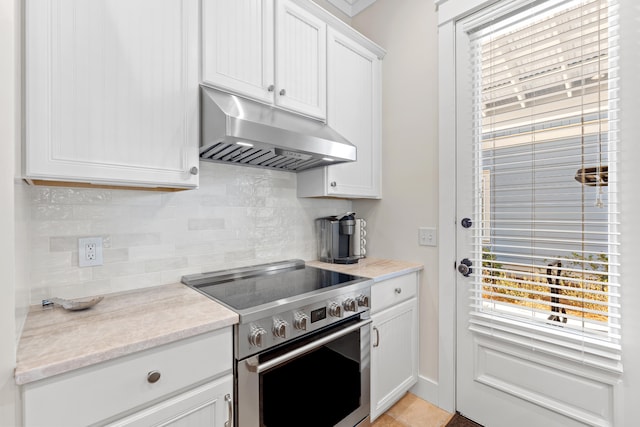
[238,47]
[273,56]
[112,92]
[354,109]
[301,61]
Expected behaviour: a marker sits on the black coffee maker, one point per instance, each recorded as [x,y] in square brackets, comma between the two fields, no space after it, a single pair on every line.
[339,239]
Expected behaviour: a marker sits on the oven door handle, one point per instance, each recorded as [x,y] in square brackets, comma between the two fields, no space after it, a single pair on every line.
[253,365]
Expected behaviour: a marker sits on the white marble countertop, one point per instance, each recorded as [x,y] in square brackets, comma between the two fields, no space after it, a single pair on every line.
[55,340]
[372,268]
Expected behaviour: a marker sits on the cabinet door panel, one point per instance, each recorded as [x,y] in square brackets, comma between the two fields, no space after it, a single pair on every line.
[237,46]
[111,91]
[394,355]
[301,46]
[353,110]
[203,406]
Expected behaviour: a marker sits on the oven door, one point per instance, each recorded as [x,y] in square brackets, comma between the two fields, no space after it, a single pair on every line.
[320,380]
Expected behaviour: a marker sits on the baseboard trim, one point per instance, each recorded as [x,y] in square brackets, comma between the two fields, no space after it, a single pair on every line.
[426,389]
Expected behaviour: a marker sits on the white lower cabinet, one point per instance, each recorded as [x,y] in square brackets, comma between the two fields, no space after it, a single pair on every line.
[208,405]
[183,383]
[394,341]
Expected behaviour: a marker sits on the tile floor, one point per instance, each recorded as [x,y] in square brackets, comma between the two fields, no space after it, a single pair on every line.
[411,411]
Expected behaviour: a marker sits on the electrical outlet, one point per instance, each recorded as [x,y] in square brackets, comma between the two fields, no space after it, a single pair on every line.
[427,236]
[90,251]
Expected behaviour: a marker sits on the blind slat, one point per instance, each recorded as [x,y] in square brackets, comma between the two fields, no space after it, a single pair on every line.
[545,124]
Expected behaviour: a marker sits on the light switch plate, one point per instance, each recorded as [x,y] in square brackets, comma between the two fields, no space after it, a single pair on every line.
[427,236]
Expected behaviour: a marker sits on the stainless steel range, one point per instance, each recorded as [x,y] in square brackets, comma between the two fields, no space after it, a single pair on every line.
[301,347]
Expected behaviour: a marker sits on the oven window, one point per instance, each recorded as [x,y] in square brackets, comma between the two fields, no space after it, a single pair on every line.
[318,389]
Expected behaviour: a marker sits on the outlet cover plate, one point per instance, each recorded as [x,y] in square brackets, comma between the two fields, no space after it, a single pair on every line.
[427,236]
[90,251]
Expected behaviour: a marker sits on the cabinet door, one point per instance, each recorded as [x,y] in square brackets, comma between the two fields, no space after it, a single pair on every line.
[112,91]
[301,61]
[207,405]
[237,47]
[394,355]
[353,109]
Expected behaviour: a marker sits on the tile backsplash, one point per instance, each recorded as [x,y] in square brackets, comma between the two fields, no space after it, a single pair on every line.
[239,216]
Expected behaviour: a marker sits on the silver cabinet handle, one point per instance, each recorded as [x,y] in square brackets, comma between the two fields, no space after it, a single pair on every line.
[229,400]
[271,88]
[377,337]
[193,171]
[398,291]
[153,377]
[283,92]
[254,366]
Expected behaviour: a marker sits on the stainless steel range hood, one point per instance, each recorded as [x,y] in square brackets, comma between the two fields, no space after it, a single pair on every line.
[248,133]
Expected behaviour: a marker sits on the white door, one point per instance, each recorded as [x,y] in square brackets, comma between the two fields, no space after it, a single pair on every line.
[537,330]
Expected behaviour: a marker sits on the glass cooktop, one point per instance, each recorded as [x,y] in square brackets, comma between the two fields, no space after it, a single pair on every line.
[259,288]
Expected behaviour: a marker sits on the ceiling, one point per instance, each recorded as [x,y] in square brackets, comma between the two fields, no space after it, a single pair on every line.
[352,7]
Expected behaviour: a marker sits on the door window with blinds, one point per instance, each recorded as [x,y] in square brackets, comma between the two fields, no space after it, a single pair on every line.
[545,199]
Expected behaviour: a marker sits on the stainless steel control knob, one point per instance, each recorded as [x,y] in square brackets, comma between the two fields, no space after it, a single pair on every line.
[300,321]
[363,301]
[255,336]
[280,328]
[349,304]
[335,310]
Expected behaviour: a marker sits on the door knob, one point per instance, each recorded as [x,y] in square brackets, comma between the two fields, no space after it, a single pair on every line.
[465,267]
[466,222]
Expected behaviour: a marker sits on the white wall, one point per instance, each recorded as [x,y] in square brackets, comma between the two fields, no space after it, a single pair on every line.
[408,31]
[630,206]
[8,134]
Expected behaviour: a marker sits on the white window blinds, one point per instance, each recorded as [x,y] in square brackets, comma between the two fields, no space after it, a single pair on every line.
[545,197]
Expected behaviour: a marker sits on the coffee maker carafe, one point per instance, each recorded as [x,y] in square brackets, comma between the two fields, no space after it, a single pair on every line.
[340,238]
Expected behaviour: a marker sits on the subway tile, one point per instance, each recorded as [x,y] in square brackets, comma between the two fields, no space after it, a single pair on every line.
[61,228]
[134,281]
[42,212]
[206,223]
[115,255]
[40,194]
[160,265]
[71,196]
[135,239]
[52,277]
[174,276]
[118,269]
[150,252]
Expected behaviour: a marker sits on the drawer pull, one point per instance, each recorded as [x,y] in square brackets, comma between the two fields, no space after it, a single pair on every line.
[377,337]
[153,377]
[398,291]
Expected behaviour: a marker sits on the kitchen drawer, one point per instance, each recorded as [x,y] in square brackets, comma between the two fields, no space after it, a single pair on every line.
[393,291]
[96,393]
